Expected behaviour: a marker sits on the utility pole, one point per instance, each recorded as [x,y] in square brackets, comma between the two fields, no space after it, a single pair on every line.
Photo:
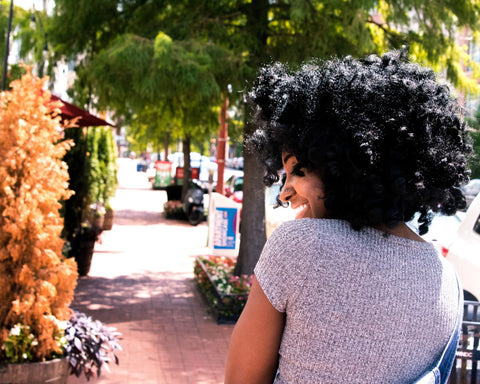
[7,47]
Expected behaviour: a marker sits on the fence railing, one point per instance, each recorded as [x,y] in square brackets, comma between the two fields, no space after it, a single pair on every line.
[464,369]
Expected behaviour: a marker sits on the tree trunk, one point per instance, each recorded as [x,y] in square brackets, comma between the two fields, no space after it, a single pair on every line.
[186,166]
[252,223]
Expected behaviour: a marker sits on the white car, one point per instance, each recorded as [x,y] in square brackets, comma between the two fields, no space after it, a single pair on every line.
[471,190]
[443,229]
[464,251]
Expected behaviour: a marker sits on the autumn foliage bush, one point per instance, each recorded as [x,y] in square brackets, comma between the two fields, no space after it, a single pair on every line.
[36,281]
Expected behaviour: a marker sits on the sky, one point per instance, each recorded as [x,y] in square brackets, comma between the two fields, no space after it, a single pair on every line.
[24,3]
[28,4]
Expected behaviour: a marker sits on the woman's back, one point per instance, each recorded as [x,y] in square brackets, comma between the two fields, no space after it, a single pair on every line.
[358,145]
[361,306]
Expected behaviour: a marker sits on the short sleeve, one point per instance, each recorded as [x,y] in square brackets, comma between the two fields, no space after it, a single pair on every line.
[278,270]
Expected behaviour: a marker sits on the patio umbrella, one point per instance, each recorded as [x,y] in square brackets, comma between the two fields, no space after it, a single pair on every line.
[69,111]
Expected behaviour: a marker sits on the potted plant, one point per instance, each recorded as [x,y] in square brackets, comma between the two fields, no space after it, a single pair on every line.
[173,209]
[98,218]
[93,177]
[90,345]
[36,281]
[80,229]
[87,346]
[224,293]
[108,218]
[83,246]
[97,215]
[101,172]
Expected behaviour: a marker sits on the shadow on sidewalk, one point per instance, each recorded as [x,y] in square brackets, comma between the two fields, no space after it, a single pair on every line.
[126,216]
[136,297]
[168,336]
[141,282]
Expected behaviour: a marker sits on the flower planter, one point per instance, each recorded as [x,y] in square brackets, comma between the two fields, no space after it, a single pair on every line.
[174,192]
[98,221]
[108,219]
[51,372]
[173,209]
[226,308]
[83,256]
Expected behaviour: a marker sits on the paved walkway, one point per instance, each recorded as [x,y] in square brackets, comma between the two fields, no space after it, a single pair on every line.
[141,282]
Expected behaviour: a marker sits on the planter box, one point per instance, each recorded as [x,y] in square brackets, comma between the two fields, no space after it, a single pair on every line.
[108,220]
[51,372]
[173,209]
[226,308]
[174,192]
[83,256]
[98,221]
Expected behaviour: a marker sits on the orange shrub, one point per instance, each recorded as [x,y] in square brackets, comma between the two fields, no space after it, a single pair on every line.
[36,281]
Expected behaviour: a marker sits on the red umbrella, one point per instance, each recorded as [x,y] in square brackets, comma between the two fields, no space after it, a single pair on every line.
[69,111]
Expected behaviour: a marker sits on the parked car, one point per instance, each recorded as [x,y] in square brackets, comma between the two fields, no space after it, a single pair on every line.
[203,163]
[443,229]
[234,188]
[464,251]
[471,190]
[238,162]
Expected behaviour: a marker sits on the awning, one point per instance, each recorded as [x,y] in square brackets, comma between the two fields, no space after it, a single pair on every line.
[86,119]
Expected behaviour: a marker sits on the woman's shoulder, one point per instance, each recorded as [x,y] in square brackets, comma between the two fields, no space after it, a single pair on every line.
[295,236]
[307,227]
[339,233]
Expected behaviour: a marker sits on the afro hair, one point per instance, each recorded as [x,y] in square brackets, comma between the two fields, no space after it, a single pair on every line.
[387,138]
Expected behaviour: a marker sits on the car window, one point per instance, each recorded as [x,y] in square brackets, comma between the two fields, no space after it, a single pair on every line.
[238,184]
[476,227]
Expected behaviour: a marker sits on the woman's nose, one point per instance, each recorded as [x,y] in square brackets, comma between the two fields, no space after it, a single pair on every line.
[286,193]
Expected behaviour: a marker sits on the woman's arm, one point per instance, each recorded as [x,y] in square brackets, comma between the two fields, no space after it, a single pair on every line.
[253,352]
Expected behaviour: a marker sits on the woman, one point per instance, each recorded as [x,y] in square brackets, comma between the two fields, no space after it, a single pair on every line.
[347,293]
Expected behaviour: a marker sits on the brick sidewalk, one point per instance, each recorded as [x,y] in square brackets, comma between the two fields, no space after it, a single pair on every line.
[141,282]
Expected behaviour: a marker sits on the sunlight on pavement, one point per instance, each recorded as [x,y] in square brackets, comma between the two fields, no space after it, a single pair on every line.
[141,282]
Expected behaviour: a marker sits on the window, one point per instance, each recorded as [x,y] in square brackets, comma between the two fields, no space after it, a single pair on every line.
[476,227]
[474,51]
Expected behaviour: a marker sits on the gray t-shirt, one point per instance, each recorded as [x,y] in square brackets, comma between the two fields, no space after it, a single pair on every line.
[361,306]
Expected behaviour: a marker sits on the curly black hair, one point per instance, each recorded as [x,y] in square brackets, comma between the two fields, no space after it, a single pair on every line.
[387,138]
